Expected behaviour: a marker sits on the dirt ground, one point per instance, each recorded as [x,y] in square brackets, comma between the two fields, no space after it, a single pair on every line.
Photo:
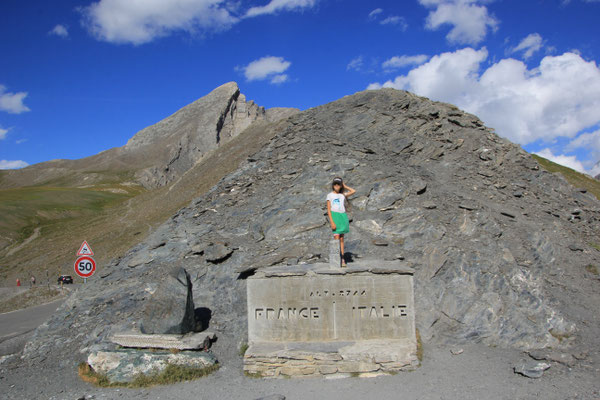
[479,372]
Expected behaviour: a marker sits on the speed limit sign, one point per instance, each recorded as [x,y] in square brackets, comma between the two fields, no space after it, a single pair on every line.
[85,266]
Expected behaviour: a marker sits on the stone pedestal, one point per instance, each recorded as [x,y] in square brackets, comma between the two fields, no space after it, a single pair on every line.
[335,259]
[313,320]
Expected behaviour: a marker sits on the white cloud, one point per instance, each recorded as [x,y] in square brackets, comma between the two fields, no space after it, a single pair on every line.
[3,133]
[141,21]
[531,44]
[470,21]
[567,161]
[12,102]
[403,61]
[278,5]
[565,2]
[373,14]
[266,67]
[12,164]
[395,20]
[278,79]
[355,64]
[59,30]
[560,97]
[137,21]
[590,142]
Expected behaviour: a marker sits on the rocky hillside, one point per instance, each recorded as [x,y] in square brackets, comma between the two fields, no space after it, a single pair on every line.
[505,252]
[113,199]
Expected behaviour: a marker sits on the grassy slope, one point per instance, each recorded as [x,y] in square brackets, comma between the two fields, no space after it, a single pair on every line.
[23,209]
[575,178]
[111,222]
[57,213]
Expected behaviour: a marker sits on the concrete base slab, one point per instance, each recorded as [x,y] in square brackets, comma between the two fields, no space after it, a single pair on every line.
[190,341]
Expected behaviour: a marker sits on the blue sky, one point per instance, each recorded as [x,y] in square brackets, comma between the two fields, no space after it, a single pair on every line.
[79,77]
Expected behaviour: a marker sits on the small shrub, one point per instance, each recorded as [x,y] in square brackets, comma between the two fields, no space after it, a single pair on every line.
[243,347]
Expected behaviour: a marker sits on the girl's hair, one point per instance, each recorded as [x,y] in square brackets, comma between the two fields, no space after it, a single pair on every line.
[338,180]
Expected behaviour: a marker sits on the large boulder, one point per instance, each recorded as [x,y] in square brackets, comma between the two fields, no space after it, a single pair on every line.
[126,365]
[170,308]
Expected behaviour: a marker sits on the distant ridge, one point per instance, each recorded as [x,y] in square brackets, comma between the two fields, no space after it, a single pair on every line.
[161,153]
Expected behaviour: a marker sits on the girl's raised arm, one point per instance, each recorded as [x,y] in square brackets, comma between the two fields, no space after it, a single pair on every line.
[350,191]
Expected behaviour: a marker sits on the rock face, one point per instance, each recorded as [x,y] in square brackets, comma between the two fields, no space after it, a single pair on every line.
[170,309]
[434,187]
[196,129]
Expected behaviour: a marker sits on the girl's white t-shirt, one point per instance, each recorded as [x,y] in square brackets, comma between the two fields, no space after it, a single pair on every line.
[337,202]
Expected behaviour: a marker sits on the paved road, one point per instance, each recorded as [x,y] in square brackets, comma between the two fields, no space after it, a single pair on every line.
[16,323]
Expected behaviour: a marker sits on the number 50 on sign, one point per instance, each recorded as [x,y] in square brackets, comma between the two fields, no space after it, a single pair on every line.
[85,266]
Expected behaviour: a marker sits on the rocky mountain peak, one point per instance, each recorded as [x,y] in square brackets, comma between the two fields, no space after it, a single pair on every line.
[186,136]
[213,104]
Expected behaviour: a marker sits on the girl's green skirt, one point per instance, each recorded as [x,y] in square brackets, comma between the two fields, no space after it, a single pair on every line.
[341,222]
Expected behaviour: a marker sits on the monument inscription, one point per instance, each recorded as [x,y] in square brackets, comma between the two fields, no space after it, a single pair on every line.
[358,305]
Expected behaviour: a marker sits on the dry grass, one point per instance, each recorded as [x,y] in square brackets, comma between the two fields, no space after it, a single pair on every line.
[255,375]
[595,245]
[171,374]
[419,346]
[592,269]
[87,374]
[575,178]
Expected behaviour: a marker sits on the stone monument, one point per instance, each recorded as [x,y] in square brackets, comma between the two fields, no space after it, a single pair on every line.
[312,320]
[168,334]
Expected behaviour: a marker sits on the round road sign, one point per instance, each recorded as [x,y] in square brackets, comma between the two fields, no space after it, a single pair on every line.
[85,266]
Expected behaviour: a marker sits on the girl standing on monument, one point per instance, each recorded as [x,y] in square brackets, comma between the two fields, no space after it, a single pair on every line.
[336,210]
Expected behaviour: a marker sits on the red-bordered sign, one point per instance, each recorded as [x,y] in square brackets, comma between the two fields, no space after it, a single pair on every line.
[85,266]
[85,249]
